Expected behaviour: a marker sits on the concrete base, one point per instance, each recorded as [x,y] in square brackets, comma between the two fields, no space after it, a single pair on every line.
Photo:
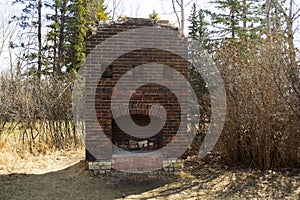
[167,167]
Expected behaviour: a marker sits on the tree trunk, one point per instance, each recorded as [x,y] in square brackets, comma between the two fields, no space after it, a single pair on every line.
[294,74]
[61,38]
[182,18]
[268,21]
[232,20]
[39,38]
[55,63]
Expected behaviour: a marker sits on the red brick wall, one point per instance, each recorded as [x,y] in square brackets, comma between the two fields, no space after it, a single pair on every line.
[143,97]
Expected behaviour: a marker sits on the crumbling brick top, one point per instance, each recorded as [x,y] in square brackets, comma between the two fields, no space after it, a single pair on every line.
[131,22]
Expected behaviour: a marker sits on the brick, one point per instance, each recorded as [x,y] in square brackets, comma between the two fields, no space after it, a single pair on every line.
[142,98]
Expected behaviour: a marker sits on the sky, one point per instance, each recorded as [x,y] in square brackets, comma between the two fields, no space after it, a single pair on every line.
[132,8]
[6,12]
[164,8]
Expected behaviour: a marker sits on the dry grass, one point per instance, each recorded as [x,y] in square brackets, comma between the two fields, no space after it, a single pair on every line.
[16,157]
[14,160]
[211,180]
[200,179]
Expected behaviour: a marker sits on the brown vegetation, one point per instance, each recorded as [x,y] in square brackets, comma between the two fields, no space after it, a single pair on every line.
[37,113]
[262,125]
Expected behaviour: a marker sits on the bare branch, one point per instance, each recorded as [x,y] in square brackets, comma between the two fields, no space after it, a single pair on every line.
[116,4]
[174,9]
[138,6]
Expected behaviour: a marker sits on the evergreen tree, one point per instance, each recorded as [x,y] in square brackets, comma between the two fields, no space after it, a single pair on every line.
[56,35]
[69,22]
[76,28]
[238,19]
[198,30]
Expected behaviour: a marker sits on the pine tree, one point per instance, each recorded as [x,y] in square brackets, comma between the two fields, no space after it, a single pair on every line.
[76,29]
[56,35]
[69,21]
[198,30]
[238,19]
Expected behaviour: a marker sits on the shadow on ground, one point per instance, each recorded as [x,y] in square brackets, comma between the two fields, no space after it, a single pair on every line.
[200,180]
[214,181]
[74,182]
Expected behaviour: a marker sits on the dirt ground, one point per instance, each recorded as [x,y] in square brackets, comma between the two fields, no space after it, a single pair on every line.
[63,175]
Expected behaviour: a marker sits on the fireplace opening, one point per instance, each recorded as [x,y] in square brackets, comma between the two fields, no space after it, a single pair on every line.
[130,143]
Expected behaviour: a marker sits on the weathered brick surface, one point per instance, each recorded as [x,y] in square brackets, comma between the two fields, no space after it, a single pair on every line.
[100,146]
[133,162]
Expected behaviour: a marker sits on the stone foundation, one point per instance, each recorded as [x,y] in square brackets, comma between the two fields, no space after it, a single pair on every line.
[171,167]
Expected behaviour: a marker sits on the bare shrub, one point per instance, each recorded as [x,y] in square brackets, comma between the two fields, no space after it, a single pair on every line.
[38,112]
[262,124]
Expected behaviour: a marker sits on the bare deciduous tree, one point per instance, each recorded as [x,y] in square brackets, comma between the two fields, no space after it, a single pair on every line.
[7,31]
[180,17]
[117,9]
